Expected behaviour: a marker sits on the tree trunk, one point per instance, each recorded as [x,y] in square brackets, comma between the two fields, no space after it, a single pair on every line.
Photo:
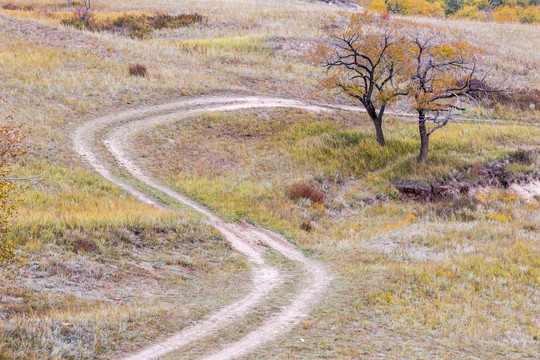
[424,137]
[379,131]
[377,120]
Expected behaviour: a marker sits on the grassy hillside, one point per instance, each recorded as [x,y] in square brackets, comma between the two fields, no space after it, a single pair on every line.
[104,274]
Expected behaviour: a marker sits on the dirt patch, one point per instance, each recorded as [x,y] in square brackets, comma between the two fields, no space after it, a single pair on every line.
[342,3]
[527,191]
[492,175]
[421,192]
[295,48]
[526,187]
[63,38]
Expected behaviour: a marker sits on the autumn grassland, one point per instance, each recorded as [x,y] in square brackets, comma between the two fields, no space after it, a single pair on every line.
[104,274]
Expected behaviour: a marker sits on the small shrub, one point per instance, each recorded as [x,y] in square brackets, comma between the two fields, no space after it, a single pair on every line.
[385,16]
[5,354]
[306,225]
[84,15]
[137,70]
[524,99]
[81,19]
[527,99]
[505,14]
[141,26]
[10,6]
[136,26]
[461,209]
[530,15]
[468,12]
[162,20]
[527,15]
[73,22]
[305,191]
[378,6]
[532,227]
[415,7]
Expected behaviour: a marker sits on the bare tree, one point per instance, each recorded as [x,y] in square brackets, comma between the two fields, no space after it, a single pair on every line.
[367,66]
[444,75]
[84,14]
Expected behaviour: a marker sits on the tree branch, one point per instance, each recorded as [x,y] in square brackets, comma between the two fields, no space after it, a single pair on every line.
[34,180]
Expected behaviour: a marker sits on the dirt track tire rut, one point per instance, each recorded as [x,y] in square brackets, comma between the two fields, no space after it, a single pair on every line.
[117,130]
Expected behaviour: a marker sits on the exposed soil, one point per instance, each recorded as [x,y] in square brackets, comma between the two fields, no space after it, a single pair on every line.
[342,3]
[525,186]
[48,36]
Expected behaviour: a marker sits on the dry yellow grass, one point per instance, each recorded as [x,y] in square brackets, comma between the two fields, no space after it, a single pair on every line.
[429,284]
[108,271]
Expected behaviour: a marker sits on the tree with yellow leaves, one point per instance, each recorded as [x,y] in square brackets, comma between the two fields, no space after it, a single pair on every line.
[366,64]
[444,74]
[11,139]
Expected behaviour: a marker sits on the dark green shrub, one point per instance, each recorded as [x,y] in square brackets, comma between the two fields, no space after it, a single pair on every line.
[72,21]
[135,26]
[162,20]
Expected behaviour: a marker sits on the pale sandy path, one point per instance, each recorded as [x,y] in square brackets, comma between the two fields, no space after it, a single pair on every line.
[118,129]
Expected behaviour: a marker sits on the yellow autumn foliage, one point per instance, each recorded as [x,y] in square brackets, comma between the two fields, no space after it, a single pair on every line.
[529,15]
[377,6]
[416,7]
[10,147]
[468,12]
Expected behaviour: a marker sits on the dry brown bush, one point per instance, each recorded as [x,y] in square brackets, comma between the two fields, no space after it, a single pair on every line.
[524,99]
[306,225]
[305,191]
[138,70]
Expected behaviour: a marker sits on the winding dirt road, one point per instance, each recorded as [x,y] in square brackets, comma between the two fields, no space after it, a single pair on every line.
[105,145]
[114,134]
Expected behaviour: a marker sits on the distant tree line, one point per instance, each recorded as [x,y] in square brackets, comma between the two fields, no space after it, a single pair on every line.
[525,11]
